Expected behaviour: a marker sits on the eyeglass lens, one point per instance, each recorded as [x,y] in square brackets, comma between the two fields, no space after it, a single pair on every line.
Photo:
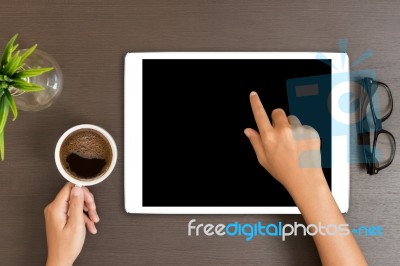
[379,144]
[383,149]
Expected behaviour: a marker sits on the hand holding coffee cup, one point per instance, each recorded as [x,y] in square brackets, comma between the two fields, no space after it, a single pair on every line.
[86,155]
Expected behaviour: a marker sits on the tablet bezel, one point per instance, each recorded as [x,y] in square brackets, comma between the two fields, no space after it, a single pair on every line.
[133,116]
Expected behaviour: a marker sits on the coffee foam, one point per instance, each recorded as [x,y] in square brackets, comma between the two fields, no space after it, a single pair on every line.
[87,144]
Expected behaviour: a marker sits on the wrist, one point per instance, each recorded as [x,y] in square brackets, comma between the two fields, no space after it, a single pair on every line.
[312,196]
[307,183]
[53,261]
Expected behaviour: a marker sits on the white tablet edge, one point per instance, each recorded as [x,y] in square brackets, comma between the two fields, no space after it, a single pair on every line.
[341,143]
[133,130]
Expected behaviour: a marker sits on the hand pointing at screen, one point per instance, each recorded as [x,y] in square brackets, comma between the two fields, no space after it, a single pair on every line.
[280,145]
[290,152]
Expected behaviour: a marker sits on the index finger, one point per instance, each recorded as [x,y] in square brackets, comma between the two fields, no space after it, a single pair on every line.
[259,113]
[91,205]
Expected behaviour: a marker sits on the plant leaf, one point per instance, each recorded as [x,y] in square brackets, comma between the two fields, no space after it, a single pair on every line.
[26,86]
[5,78]
[34,87]
[12,104]
[2,145]
[20,83]
[31,72]
[12,64]
[4,108]
[7,50]
[4,85]
[13,48]
[28,53]
[16,65]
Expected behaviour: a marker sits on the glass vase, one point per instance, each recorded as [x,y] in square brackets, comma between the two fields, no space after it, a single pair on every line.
[51,81]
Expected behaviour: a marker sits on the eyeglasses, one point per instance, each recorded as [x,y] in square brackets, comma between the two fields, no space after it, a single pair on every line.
[381,153]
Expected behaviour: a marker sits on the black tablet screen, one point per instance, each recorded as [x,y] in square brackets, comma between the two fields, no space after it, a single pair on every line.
[194,112]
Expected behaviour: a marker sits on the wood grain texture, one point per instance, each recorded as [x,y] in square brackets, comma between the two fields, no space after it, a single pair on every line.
[89,40]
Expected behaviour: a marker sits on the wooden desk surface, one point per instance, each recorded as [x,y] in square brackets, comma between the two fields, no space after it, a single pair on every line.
[89,40]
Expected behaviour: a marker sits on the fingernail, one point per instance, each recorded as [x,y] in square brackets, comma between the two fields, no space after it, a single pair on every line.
[253,93]
[247,132]
[76,191]
[97,219]
[95,231]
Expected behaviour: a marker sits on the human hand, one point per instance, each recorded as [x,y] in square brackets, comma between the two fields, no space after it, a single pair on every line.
[291,153]
[288,150]
[65,223]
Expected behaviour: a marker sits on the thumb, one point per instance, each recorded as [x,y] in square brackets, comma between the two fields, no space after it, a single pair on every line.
[76,202]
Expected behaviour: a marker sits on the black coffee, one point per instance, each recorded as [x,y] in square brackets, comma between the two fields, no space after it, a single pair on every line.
[86,154]
[83,167]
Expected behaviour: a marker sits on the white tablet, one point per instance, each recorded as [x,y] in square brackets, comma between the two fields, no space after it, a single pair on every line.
[185,112]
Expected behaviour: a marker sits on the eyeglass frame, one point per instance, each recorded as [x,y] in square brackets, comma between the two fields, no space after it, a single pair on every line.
[371,163]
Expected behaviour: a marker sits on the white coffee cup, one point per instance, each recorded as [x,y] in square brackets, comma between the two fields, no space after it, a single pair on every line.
[89,182]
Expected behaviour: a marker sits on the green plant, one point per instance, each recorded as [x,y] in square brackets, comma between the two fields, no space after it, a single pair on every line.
[14,76]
